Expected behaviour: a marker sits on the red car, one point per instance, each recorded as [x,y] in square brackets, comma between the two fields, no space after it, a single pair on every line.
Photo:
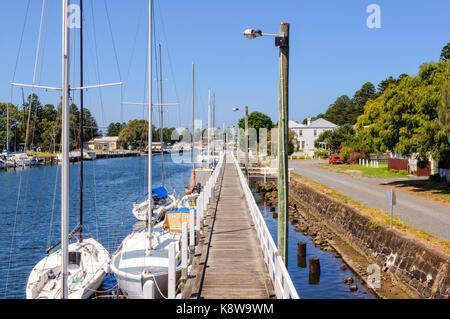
[335,160]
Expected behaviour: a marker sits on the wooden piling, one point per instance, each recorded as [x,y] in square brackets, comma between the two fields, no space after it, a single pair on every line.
[301,255]
[314,271]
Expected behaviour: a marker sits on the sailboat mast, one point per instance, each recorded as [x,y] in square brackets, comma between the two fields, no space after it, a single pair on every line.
[193,120]
[81,121]
[65,151]
[214,125]
[161,116]
[150,133]
[209,127]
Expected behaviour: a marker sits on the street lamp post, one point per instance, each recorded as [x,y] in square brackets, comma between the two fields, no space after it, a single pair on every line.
[281,41]
[245,138]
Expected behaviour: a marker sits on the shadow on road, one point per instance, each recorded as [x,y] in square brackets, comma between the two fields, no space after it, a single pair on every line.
[421,186]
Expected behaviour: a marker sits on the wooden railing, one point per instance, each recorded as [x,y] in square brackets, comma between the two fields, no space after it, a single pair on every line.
[284,288]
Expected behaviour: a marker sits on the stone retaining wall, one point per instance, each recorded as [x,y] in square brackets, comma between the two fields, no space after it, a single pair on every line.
[422,271]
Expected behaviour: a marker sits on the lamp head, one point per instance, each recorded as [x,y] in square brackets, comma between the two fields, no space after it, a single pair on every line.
[235,109]
[252,33]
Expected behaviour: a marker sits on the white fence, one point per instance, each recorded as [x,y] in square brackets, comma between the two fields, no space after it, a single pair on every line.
[284,288]
[208,191]
[266,172]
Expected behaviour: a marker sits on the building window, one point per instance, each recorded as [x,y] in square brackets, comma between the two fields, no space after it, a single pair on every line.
[300,132]
[303,145]
[315,132]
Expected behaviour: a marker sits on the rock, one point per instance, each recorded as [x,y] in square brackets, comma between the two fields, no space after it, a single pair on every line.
[344,267]
[353,288]
[349,280]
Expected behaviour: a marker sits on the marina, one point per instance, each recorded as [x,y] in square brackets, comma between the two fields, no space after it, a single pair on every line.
[101,198]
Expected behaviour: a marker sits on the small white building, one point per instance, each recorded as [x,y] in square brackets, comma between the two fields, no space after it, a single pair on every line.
[309,133]
[106,143]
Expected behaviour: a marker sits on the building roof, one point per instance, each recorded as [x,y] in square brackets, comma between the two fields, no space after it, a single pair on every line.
[319,123]
[105,139]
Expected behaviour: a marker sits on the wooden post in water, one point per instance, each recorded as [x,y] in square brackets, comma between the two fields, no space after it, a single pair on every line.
[314,271]
[301,255]
[283,134]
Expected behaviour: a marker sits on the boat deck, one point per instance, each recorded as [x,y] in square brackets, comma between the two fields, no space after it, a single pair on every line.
[231,264]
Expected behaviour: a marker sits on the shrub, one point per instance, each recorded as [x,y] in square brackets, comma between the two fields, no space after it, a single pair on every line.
[321,153]
[355,156]
[345,152]
[403,172]
[393,170]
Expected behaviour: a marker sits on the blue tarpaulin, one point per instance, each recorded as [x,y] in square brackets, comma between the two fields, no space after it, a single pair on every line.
[180,210]
[159,193]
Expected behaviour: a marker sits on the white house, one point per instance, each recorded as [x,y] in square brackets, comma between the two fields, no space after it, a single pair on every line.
[309,133]
[106,143]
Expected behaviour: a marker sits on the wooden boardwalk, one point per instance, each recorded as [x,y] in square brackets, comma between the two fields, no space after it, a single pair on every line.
[229,263]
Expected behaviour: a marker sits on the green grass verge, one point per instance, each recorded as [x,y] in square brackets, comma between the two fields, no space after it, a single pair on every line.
[378,217]
[370,172]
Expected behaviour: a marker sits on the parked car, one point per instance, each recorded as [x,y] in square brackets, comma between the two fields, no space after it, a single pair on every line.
[335,160]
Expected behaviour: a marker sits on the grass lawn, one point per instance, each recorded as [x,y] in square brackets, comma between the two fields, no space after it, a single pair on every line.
[362,171]
[40,154]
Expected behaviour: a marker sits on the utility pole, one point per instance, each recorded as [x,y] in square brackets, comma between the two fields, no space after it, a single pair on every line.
[283,134]
[246,141]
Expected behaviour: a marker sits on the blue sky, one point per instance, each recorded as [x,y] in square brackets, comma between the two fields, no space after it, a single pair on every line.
[332,52]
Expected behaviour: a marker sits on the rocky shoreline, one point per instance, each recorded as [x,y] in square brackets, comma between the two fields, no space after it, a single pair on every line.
[327,239]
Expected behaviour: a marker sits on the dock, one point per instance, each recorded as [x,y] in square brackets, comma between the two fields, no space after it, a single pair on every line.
[235,257]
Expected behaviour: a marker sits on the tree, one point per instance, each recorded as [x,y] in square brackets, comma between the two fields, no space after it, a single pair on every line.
[386,83]
[405,118]
[445,54]
[135,134]
[114,129]
[444,106]
[337,138]
[257,120]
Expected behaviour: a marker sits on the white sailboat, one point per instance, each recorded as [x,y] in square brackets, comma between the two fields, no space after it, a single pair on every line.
[143,255]
[162,200]
[77,270]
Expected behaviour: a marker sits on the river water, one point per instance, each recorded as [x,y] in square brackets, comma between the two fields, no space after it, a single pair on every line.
[30,211]
[331,285]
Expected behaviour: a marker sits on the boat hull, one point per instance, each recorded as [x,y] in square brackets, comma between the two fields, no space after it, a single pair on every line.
[133,268]
[44,281]
[140,210]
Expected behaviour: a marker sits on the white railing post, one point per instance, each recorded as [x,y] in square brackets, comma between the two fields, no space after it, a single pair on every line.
[149,290]
[191,232]
[184,252]
[171,281]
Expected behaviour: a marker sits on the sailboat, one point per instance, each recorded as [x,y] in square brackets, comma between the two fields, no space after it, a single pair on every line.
[77,270]
[162,200]
[143,255]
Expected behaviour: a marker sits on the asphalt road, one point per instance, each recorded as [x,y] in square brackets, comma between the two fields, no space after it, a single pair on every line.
[415,211]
